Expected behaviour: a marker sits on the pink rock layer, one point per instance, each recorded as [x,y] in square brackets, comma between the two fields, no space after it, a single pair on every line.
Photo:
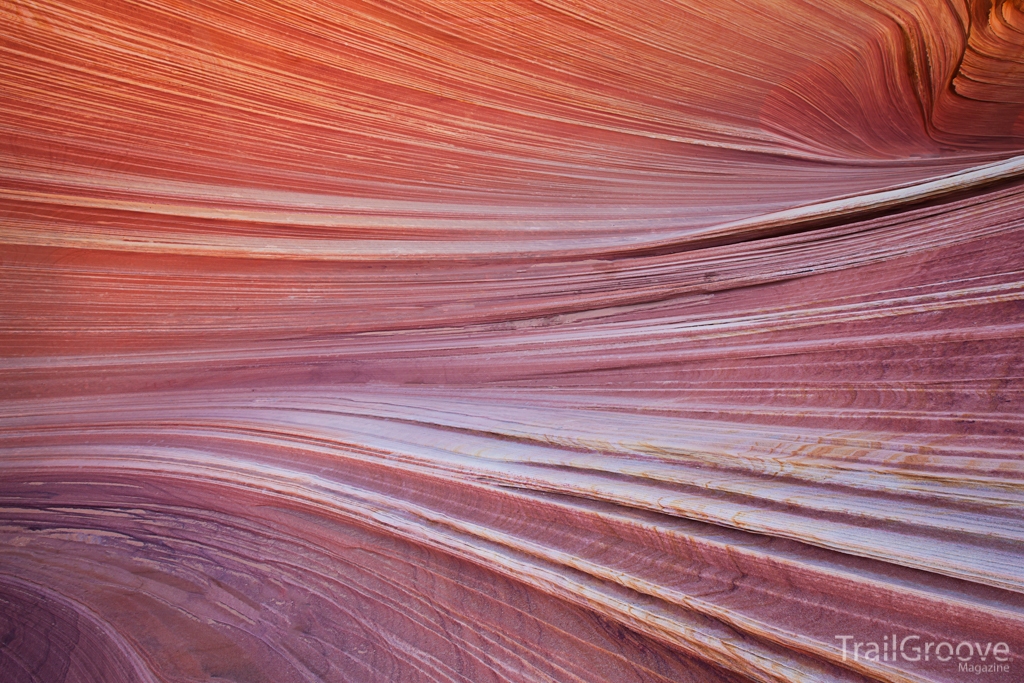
[512,341]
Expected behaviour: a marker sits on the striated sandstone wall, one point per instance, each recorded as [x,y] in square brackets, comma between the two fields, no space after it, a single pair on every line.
[511,340]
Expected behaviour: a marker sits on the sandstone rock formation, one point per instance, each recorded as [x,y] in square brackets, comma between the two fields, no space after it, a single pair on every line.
[511,340]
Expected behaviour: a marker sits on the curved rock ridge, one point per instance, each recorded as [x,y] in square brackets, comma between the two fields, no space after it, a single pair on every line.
[511,340]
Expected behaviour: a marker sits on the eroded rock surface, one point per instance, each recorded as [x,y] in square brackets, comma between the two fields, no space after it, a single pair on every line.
[511,341]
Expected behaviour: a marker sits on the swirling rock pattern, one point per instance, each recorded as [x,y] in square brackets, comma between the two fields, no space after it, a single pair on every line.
[511,340]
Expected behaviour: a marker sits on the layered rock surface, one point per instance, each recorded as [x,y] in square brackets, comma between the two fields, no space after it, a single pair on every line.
[511,341]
